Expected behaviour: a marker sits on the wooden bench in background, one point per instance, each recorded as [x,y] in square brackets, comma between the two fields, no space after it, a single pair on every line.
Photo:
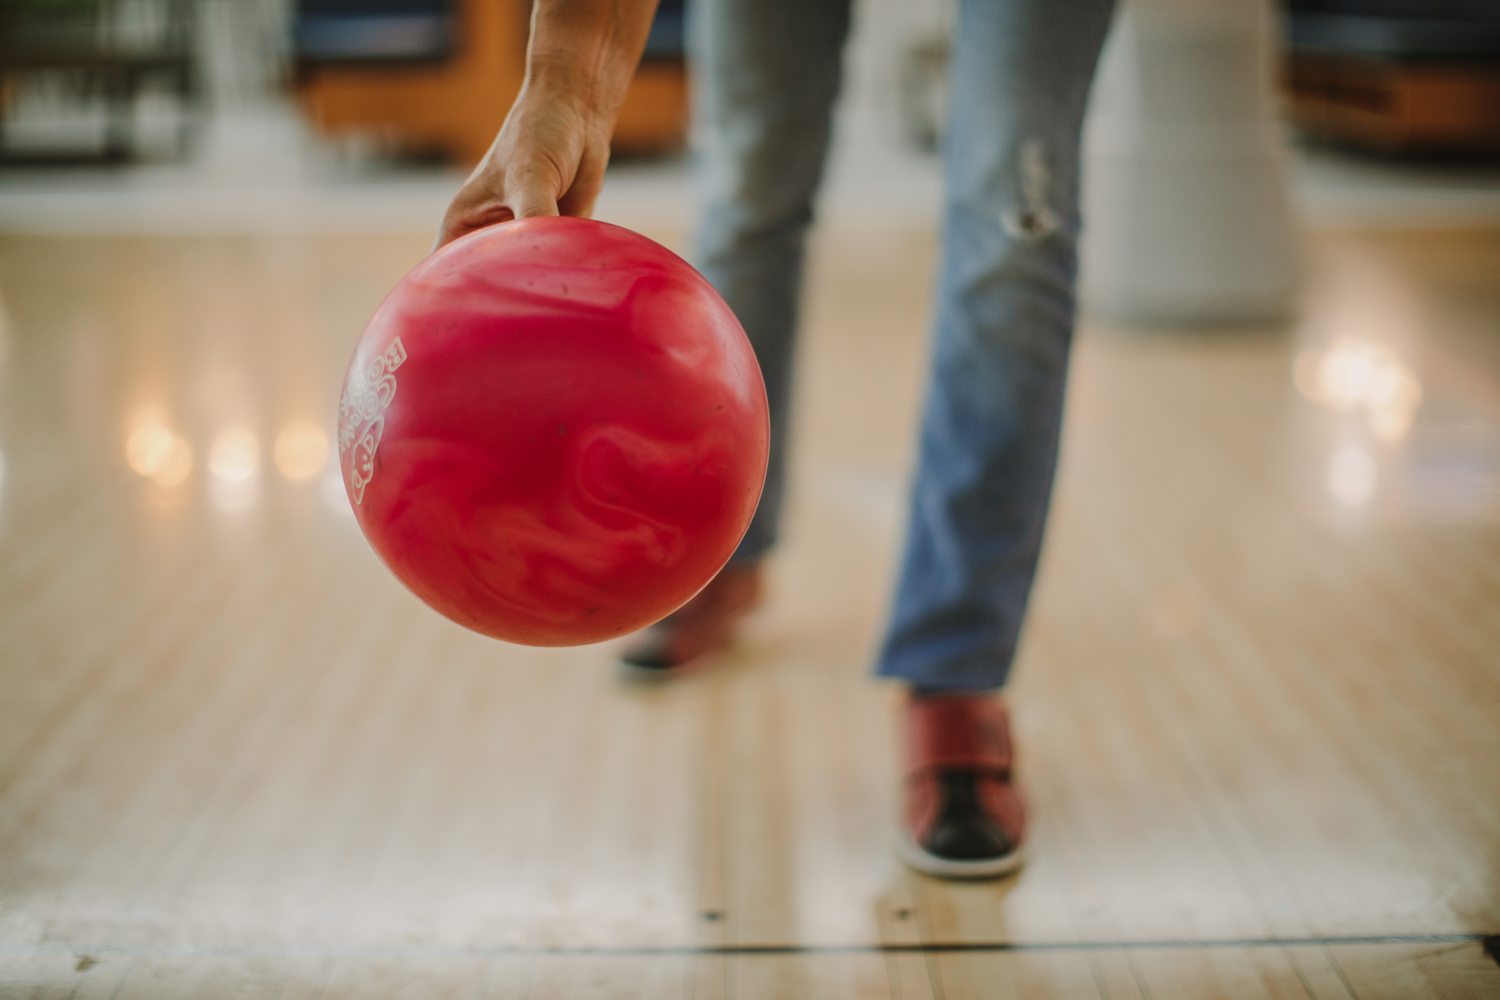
[454,98]
[1396,76]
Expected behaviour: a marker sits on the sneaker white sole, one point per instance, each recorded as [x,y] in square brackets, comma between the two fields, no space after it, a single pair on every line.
[913,856]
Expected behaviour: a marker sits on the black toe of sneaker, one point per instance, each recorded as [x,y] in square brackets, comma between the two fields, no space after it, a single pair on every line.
[963,830]
[964,815]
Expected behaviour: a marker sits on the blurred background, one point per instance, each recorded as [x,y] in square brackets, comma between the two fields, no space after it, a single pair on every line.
[1259,696]
[268,110]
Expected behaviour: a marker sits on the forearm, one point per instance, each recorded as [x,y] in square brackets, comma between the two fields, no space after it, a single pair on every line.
[586,51]
[550,155]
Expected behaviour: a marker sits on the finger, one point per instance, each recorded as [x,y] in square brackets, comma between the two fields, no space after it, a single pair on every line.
[463,222]
[446,234]
[578,204]
[580,199]
[587,184]
[531,192]
[452,230]
[529,204]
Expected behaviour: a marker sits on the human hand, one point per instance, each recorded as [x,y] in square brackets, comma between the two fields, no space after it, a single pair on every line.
[548,159]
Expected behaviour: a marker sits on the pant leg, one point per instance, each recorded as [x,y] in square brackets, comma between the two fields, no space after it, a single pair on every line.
[1021,75]
[766,75]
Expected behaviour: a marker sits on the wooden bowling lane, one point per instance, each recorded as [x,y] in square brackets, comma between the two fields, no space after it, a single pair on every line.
[1383,971]
[1259,698]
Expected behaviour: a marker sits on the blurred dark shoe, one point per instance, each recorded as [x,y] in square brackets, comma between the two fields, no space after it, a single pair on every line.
[964,817]
[701,627]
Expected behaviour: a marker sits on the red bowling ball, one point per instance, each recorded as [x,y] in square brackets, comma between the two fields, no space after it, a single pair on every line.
[553,431]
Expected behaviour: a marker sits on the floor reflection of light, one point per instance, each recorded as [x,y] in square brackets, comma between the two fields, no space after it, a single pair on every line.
[235,456]
[154,452]
[1351,475]
[300,450]
[147,447]
[1353,373]
[234,464]
[1392,422]
[233,495]
[176,466]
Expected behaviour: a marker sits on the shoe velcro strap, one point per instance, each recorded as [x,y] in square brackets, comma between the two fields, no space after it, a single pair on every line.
[957,732]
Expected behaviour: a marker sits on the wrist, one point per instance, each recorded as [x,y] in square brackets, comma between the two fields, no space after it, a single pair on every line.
[565,87]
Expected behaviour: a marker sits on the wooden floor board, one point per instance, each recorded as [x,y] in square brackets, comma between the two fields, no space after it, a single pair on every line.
[1018,976]
[1444,971]
[1213,973]
[1257,699]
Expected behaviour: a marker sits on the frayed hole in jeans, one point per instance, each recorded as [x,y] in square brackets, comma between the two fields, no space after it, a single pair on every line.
[1028,224]
[1031,218]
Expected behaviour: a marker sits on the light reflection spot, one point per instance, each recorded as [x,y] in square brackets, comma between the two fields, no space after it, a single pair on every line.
[235,456]
[300,450]
[1352,475]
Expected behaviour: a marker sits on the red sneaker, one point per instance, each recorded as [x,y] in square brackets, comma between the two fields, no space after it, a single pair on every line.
[964,816]
[699,628]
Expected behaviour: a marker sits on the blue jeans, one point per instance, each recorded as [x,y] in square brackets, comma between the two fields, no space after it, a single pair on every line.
[766,76]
